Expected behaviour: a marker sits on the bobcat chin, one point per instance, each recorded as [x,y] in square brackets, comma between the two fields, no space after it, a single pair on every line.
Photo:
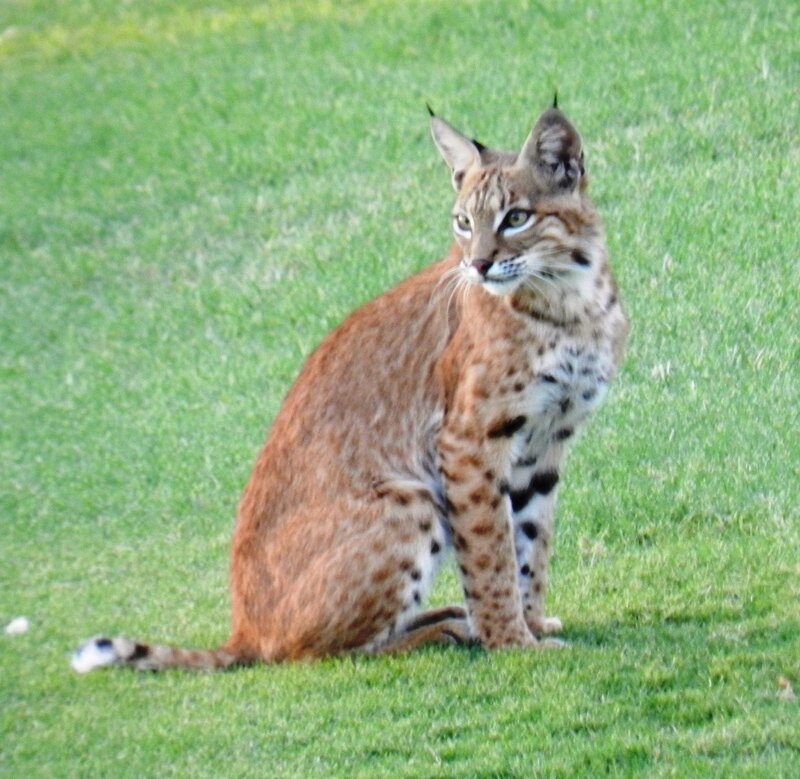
[437,414]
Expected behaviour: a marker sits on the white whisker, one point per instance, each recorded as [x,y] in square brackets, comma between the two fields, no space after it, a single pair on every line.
[535,281]
[454,284]
[460,293]
[450,275]
[447,284]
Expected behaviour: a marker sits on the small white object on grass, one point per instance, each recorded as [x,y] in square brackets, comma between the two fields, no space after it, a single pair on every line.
[17,626]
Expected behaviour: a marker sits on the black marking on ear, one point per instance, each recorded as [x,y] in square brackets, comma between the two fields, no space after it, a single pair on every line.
[507,427]
[430,110]
[478,145]
[555,99]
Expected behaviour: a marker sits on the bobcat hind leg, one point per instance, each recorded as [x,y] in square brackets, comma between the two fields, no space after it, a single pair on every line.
[446,625]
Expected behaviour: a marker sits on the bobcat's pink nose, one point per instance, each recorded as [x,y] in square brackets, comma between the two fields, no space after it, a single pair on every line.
[482,266]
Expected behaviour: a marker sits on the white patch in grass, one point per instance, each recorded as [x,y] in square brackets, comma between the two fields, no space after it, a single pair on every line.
[17,626]
[785,691]
[661,371]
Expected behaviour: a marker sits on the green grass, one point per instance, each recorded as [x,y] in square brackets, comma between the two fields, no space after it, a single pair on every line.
[193,194]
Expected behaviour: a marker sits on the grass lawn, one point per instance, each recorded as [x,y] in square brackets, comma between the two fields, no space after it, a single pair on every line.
[193,193]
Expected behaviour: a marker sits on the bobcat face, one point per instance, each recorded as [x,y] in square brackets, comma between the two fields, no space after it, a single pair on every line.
[520,219]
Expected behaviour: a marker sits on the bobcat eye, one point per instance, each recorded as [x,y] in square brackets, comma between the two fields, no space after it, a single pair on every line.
[462,224]
[516,219]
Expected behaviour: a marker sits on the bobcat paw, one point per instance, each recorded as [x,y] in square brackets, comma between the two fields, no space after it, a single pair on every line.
[545,626]
[553,643]
[545,643]
[94,653]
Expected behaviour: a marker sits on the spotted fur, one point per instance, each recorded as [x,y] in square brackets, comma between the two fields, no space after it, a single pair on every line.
[438,414]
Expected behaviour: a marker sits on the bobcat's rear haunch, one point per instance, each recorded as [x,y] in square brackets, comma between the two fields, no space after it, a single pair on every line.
[437,414]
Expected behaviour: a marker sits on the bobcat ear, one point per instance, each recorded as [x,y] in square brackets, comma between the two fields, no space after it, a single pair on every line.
[553,149]
[459,152]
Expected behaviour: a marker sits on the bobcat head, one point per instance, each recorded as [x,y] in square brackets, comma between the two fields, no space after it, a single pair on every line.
[523,221]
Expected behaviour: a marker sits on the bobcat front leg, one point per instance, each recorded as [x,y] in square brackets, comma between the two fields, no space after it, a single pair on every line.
[533,507]
[473,465]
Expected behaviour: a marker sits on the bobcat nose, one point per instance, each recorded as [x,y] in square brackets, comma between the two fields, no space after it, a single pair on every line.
[482,266]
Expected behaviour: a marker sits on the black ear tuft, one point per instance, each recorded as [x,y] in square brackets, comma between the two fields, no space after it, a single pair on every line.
[430,110]
[478,145]
[555,99]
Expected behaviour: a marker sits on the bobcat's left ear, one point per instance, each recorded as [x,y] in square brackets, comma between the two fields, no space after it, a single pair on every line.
[459,152]
[553,149]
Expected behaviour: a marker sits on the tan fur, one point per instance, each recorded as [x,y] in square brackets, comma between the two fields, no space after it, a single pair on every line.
[440,410]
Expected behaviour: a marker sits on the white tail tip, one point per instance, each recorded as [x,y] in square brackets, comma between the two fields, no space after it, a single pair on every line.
[94,653]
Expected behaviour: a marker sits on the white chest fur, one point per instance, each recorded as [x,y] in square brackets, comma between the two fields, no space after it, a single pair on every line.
[569,383]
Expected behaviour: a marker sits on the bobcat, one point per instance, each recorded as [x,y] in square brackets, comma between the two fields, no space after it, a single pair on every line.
[437,414]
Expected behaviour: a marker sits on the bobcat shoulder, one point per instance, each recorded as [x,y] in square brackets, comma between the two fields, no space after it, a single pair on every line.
[437,414]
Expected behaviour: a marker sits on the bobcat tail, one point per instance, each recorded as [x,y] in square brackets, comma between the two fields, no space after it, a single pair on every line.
[99,652]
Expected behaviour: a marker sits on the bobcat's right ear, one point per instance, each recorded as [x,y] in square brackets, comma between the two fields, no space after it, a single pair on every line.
[459,152]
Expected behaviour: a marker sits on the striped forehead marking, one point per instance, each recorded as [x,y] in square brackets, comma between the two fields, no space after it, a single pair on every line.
[489,193]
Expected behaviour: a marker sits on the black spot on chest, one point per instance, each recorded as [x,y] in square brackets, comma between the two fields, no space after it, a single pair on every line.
[530,530]
[544,481]
[541,483]
[505,428]
[580,258]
